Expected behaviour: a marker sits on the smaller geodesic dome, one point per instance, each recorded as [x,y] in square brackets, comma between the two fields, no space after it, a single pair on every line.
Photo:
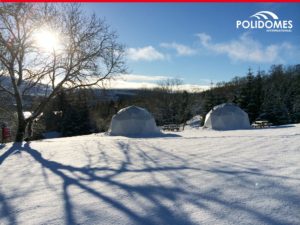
[227,116]
[133,121]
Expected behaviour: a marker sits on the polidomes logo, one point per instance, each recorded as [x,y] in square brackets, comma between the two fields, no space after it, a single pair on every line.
[264,15]
[267,21]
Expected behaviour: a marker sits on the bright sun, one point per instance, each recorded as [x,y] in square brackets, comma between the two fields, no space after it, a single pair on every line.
[47,40]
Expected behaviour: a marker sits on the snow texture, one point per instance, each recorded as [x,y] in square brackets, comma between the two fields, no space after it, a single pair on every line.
[194,122]
[27,114]
[200,177]
[227,116]
[133,121]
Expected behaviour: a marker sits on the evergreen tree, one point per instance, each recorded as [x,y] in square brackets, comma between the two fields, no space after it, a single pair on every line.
[75,121]
[273,96]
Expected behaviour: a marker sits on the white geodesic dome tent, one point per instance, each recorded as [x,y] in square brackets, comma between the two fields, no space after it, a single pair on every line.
[227,116]
[133,121]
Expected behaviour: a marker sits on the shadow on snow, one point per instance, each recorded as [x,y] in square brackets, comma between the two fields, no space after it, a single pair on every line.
[181,190]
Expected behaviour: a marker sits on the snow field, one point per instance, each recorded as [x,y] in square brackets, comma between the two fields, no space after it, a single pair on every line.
[193,177]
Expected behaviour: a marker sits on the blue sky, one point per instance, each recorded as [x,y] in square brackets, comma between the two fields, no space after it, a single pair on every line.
[198,42]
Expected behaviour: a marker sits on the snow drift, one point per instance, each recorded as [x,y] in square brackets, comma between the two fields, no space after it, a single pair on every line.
[132,121]
[227,116]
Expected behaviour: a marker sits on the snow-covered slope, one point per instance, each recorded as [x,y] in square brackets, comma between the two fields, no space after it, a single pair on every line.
[198,177]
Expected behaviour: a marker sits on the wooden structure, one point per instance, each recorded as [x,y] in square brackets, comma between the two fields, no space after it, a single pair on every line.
[171,127]
[261,124]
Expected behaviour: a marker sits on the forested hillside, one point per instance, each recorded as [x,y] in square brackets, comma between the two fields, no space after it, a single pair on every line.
[272,95]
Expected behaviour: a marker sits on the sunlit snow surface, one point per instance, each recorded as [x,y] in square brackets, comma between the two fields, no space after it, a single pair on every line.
[192,177]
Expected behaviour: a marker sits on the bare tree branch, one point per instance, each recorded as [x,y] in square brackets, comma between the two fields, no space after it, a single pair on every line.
[88,52]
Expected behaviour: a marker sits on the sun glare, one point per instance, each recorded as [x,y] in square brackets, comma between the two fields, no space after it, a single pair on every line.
[47,40]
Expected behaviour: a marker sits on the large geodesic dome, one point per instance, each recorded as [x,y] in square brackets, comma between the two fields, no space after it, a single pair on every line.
[227,116]
[133,121]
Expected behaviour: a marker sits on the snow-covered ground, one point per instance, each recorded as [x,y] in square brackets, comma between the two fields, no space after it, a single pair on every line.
[191,177]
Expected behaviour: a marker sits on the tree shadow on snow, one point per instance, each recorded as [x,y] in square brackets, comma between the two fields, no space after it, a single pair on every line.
[15,148]
[164,200]
[151,192]
[6,211]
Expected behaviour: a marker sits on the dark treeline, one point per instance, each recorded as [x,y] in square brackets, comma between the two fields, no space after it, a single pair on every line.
[77,113]
[83,111]
[273,95]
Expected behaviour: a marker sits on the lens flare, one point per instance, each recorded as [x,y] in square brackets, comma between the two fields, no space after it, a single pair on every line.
[47,40]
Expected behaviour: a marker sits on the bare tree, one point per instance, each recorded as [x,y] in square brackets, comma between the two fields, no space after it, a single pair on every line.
[83,52]
[170,85]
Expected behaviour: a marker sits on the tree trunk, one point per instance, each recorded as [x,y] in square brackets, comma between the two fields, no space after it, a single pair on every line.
[20,131]
[183,126]
[30,129]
